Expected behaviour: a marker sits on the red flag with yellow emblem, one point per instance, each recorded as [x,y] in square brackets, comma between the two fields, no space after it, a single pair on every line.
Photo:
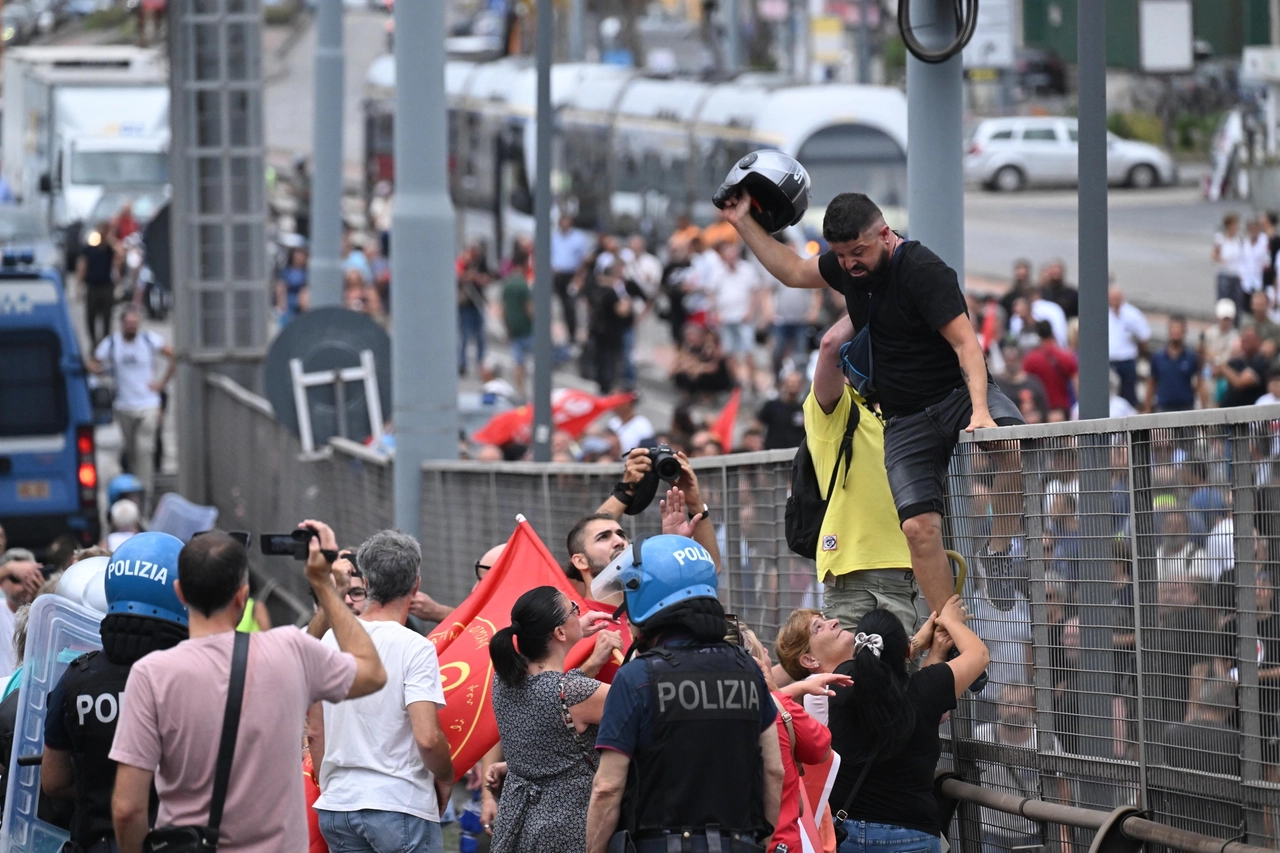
[462,641]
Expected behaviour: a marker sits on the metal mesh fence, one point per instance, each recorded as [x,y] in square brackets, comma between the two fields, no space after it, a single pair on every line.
[1121,573]
[261,481]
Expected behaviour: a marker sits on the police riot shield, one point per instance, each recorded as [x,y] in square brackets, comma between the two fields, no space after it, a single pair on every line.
[58,632]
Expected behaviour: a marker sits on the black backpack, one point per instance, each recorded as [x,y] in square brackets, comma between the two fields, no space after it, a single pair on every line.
[805,505]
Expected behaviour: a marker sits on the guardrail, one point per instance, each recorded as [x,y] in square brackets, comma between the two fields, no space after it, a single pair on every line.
[1122,573]
[1119,831]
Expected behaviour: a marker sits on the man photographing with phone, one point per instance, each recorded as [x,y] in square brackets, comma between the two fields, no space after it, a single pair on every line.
[919,350]
[176,701]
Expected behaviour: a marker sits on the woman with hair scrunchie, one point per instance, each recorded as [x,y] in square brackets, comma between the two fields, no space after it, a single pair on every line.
[547,721]
[885,726]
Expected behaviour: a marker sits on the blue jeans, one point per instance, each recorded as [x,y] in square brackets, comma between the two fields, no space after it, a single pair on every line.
[882,838]
[470,327]
[370,831]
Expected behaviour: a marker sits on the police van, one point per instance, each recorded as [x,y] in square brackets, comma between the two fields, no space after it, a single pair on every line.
[48,476]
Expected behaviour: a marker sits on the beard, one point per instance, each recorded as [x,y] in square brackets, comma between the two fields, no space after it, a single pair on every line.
[876,273]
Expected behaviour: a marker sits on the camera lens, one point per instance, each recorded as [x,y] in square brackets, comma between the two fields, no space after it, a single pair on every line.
[665,464]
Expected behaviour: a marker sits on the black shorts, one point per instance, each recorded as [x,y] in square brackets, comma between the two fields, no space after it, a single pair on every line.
[918,448]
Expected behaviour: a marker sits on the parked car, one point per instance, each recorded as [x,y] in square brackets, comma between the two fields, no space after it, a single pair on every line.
[1010,154]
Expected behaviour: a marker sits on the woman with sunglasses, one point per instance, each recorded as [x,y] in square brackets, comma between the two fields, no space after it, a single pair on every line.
[547,721]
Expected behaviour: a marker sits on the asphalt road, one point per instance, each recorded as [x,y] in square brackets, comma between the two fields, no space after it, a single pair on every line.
[1160,240]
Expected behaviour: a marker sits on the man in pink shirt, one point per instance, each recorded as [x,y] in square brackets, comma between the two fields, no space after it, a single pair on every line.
[175,701]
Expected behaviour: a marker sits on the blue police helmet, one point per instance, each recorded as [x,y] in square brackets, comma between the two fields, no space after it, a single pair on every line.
[141,575]
[670,569]
[121,485]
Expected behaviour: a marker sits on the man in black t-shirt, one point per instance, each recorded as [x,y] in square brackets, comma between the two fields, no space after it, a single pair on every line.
[930,375]
[97,270]
[783,418]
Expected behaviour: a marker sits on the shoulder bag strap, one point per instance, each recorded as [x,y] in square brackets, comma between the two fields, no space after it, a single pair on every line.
[843,814]
[230,725]
[846,447]
[791,733]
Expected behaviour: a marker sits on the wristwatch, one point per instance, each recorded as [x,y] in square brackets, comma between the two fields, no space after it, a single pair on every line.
[706,511]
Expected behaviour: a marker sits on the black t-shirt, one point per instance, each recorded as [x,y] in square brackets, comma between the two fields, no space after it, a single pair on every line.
[898,790]
[1065,297]
[783,424]
[913,365]
[1247,395]
[97,264]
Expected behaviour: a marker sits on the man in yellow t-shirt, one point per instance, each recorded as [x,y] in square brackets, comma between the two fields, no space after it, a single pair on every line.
[863,559]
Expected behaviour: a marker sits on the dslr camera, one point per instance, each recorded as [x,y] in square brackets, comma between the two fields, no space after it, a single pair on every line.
[666,467]
[665,464]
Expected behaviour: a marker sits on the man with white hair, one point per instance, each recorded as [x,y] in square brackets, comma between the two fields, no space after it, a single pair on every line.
[20,580]
[126,521]
[385,769]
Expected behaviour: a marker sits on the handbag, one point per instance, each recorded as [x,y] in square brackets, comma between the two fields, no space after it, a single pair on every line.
[201,839]
[841,816]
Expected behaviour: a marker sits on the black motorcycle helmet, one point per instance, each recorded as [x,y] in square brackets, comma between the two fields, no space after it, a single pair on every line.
[778,186]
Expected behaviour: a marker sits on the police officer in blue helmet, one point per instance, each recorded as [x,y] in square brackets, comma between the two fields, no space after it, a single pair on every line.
[689,756]
[144,615]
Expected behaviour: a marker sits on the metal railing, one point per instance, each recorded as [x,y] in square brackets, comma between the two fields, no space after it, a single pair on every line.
[1121,573]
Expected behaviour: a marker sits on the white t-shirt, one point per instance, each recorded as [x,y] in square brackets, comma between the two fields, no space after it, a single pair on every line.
[1051,313]
[733,290]
[645,270]
[631,433]
[1126,329]
[1230,250]
[371,760]
[1254,258]
[133,363]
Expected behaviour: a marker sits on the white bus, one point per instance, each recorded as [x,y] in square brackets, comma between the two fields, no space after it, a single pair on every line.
[634,152]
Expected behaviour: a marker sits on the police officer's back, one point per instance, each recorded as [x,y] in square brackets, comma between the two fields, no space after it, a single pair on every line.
[689,749]
[144,615]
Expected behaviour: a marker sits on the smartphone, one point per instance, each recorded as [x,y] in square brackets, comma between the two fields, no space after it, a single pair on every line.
[734,633]
[282,545]
[292,544]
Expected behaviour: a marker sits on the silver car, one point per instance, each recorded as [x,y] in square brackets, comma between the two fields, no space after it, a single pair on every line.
[1009,154]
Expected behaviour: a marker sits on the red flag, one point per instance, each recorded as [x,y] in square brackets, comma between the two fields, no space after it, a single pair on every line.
[571,410]
[723,427]
[462,641]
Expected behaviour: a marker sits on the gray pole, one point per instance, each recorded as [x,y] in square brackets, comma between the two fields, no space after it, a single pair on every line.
[864,43]
[542,242]
[424,340]
[324,273]
[732,50]
[1091,52]
[935,138]
[577,30]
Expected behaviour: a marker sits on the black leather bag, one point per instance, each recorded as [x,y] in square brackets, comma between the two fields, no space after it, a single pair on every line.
[202,839]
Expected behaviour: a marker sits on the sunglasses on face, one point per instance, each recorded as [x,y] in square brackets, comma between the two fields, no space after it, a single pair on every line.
[481,567]
[574,611]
